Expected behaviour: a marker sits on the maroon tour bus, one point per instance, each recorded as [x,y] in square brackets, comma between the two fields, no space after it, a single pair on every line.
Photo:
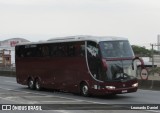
[78,64]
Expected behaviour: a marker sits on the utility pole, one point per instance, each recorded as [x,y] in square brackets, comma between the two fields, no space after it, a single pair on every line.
[152,52]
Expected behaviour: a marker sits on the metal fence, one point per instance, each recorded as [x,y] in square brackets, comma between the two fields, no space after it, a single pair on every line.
[8,68]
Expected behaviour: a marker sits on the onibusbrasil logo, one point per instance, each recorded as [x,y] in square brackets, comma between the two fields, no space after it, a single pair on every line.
[21,107]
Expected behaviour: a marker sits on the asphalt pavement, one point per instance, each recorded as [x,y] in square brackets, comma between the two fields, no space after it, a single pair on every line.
[20,98]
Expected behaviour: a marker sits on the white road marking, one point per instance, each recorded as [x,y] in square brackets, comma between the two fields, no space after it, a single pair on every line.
[54,96]
[155,111]
[148,90]
[11,82]
[10,100]
[57,101]
[46,95]
[62,111]
[2,93]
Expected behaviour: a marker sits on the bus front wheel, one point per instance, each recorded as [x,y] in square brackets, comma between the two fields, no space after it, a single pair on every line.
[84,89]
[30,84]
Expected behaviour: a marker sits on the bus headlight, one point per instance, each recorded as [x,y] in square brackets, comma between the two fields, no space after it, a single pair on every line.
[110,87]
[135,85]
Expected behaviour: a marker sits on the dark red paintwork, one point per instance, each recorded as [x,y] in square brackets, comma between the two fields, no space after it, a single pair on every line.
[64,74]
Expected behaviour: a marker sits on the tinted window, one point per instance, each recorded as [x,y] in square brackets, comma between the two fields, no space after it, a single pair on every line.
[116,49]
[66,49]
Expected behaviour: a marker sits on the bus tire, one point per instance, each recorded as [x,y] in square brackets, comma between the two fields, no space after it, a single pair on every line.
[84,90]
[37,85]
[31,84]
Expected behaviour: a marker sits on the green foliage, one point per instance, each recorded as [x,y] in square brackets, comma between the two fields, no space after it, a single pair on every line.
[155,70]
[141,51]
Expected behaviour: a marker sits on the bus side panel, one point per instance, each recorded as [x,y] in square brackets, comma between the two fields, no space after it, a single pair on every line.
[22,72]
[67,73]
[75,71]
[56,73]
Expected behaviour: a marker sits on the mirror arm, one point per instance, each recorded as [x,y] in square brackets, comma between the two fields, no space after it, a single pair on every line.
[141,60]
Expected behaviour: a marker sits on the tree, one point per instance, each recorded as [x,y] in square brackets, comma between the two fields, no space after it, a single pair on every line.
[141,51]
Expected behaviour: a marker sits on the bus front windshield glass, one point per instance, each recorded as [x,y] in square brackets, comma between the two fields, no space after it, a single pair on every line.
[116,49]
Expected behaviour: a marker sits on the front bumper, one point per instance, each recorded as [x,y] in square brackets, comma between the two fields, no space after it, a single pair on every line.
[105,91]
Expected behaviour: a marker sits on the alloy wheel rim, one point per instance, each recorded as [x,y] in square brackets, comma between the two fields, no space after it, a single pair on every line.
[85,90]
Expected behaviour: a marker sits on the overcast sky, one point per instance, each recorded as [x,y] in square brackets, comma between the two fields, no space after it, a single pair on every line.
[137,20]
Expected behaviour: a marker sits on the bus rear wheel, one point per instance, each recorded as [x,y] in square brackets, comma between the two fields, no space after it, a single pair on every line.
[31,84]
[84,90]
[37,85]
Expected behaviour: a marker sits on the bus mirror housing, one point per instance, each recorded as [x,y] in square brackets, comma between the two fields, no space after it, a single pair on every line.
[104,64]
[141,62]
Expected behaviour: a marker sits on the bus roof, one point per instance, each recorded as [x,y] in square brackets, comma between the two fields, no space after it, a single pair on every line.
[78,38]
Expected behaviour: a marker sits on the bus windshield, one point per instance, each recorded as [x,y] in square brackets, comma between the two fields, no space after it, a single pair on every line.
[116,49]
[120,70]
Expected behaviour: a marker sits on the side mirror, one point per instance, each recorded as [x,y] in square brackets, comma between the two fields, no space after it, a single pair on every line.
[141,62]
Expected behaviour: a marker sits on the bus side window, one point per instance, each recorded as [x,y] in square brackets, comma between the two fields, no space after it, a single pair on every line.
[53,50]
[82,50]
[79,50]
[38,51]
[28,53]
[45,50]
[58,50]
[19,52]
[71,50]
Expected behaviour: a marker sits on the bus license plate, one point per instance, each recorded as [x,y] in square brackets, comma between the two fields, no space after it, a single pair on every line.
[124,91]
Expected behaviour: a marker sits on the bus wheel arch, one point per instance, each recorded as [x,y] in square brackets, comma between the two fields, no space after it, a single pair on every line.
[84,88]
[31,83]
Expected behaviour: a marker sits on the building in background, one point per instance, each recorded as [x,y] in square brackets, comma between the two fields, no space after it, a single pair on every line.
[7,48]
[5,58]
